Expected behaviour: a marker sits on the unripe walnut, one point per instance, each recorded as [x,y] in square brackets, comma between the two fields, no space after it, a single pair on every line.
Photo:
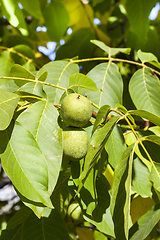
[75,143]
[75,213]
[76,110]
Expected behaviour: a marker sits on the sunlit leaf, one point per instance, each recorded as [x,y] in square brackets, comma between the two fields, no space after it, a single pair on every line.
[8,103]
[14,15]
[26,166]
[82,81]
[41,120]
[58,74]
[145,91]
[109,81]
[109,50]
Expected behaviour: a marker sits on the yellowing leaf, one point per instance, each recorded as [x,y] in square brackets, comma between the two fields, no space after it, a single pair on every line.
[85,233]
[139,207]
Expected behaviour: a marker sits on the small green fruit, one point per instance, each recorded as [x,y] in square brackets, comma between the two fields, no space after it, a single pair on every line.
[75,213]
[75,143]
[76,110]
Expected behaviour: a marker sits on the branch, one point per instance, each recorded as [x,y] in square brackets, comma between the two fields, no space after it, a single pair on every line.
[141,123]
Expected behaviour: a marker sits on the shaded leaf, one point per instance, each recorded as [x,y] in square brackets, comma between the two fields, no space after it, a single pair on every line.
[140,181]
[56,20]
[145,91]
[109,50]
[8,103]
[82,81]
[155,176]
[138,16]
[21,72]
[33,9]
[120,201]
[115,146]
[80,38]
[145,224]
[96,146]
[101,116]
[101,216]
[147,115]
[139,206]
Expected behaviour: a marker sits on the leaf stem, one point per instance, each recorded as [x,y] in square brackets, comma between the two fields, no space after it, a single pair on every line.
[35,81]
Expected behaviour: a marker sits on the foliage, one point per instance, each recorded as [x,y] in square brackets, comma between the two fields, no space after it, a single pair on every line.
[117,183]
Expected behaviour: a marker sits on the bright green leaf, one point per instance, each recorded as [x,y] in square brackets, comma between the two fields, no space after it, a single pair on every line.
[14,15]
[58,74]
[145,91]
[82,81]
[41,119]
[8,103]
[110,51]
[109,81]
[21,161]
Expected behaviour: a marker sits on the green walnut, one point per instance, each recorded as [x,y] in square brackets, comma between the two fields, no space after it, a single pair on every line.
[76,110]
[75,143]
[75,213]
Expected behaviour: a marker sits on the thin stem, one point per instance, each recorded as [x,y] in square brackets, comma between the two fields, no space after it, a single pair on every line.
[35,81]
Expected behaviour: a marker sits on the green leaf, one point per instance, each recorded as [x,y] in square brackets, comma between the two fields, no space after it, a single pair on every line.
[115,146]
[101,216]
[96,146]
[146,57]
[142,228]
[8,103]
[6,64]
[109,81]
[110,51]
[121,192]
[138,16]
[155,176]
[144,90]
[82,81]
[21,161]
[41,119]
[77,45]
[56,20]
[14,15]
[101,116]
[147,115]
[21,72]
[31,88]
[33,9]
[46,228]
[58,74]
[140,181]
